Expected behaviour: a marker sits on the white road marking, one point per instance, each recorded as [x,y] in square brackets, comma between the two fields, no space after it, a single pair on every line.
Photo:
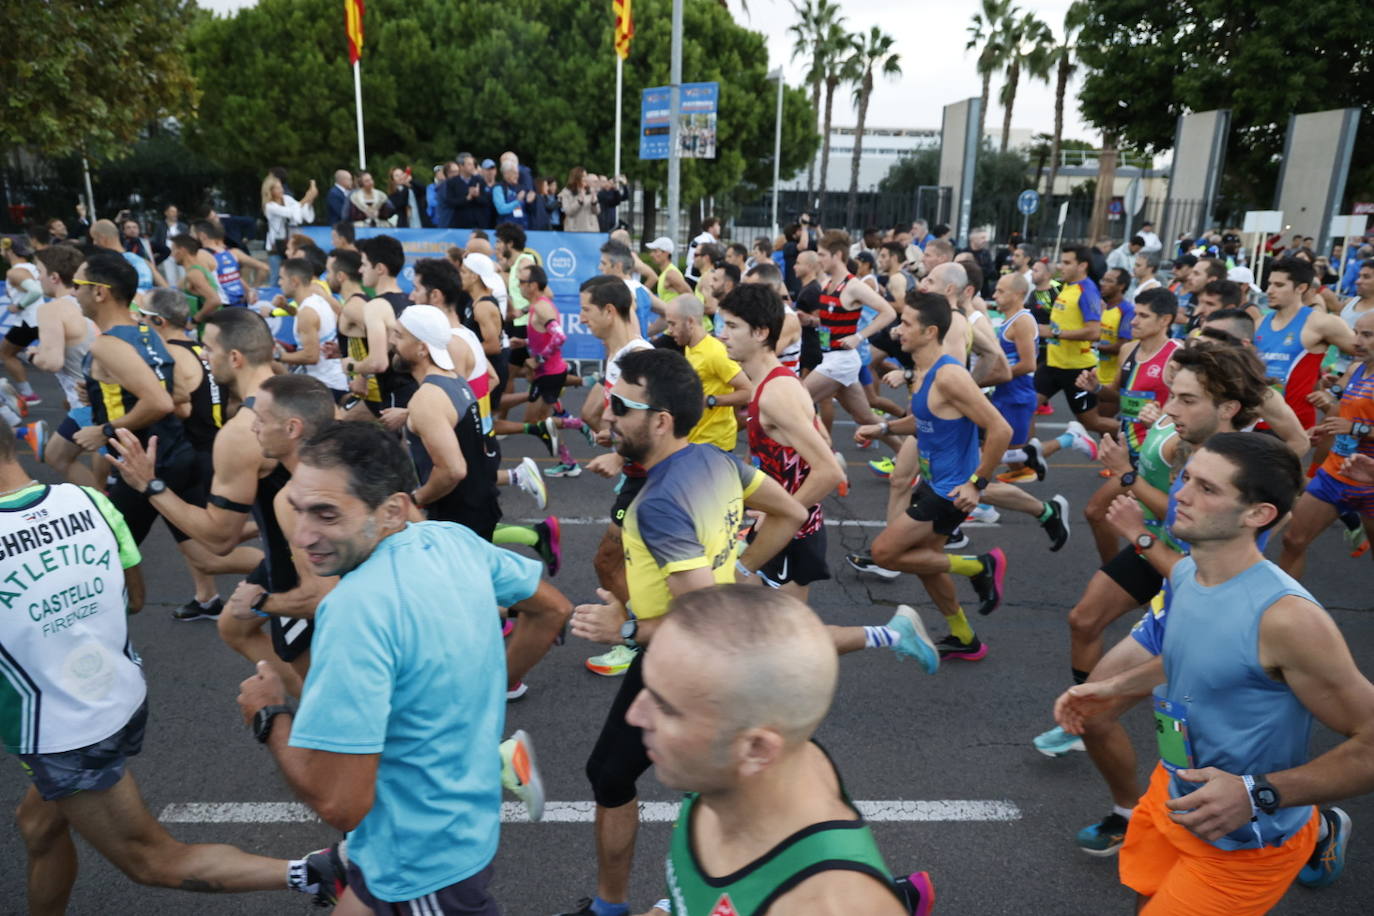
[584,812]
[830,522]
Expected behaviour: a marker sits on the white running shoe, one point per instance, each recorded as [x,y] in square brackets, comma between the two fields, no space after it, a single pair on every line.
[526,476]
[1082,442]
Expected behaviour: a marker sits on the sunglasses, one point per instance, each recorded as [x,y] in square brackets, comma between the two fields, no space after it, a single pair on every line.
[80,282]
[620,406]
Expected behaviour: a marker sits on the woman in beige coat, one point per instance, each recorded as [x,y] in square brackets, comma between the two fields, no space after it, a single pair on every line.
[580,207]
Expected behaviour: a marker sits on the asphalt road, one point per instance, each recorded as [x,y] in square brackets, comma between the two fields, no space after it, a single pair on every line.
[895,733]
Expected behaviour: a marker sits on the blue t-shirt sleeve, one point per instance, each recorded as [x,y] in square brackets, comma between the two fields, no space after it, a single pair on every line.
[1123,331]
[513,577]
[668,531]
[346,701]
[1090,301]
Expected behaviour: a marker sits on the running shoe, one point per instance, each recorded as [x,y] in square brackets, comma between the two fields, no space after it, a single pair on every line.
[863,563]
[507,628]
[1044,410]
[1105,473]
[10,395]
[549,547]
[1105,837]
[957,650]
[517,692]
[1035,459]
[194,610]
[547,432]
[1355,536]
[1057,743]
[520,773]
[915,642]
[36,435]
[988,583]
[881,466]
[564,470]
[984,514]
[917,892]
[1328,859]
[1081,440]
[1018,475]
[31,400]
[843,488]
[1057,525]
[326,875]
[957,541]
[526,476]
[582,907]
[612,663]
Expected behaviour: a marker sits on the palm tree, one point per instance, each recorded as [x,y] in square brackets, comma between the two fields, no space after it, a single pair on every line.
[1028,44]
[840,68]
[873,51]
[985,32]
[814,21]
[1063,59]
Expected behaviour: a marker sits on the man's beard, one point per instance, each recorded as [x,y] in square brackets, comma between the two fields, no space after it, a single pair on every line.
[401,364]
[631,451]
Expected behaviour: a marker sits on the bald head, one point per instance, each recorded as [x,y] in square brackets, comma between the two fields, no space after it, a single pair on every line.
[105,234]
[343,178]
[945,276]
[687,307]
[808,262]
[478,246]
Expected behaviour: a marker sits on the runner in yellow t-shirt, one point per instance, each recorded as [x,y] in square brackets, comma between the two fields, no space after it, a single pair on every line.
[1075,326]
[724,383]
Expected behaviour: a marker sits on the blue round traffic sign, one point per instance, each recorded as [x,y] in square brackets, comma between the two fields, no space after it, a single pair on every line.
[1028,202]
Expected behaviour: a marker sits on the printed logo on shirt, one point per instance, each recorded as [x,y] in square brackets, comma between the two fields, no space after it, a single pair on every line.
[724,907]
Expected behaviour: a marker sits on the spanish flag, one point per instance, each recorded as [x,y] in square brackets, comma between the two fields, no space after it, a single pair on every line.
[624,27]
[353,25]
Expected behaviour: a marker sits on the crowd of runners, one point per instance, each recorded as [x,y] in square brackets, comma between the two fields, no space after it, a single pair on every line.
[349,474]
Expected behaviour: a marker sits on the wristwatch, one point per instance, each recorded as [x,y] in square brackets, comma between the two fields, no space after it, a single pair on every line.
[1144,542]
[908,374]
[628,629]
[980,483]
[262,721]
[1128,478]
[108,431]
[1264,795]
[710,400]
[154,487]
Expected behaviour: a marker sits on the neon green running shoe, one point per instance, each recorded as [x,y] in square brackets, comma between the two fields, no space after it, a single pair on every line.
[612,663]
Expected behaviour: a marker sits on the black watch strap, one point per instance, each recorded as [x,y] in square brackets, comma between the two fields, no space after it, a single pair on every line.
[1128,478]
[263,718]
[108,430]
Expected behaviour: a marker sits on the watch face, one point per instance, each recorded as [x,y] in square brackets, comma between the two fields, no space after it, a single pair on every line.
[1266,796]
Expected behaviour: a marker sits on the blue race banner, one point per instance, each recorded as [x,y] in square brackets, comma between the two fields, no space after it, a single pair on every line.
[696,130]
[569,258]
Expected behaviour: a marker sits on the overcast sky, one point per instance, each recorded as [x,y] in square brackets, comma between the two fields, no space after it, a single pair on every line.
[931,35]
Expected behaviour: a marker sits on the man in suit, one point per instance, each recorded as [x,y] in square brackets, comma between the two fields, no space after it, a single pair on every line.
[465,193]
[337,199]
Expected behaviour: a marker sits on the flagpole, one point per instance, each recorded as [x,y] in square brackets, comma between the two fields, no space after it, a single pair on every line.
[358,105]
[619,87]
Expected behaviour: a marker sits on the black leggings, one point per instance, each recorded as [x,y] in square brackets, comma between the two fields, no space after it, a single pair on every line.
[619,758]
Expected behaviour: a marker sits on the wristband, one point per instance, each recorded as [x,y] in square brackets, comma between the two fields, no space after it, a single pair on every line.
[664,905]
[1250,793]
[256,606]
[883,426]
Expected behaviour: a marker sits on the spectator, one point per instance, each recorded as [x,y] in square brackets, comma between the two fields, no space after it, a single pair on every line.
[525,180]
[81,226]
[367,206]
[613,192]
[336,201]
[57,230]
[920,234]
[283,214]
[508,198]
[463,192]
[978,247]
[435,210]
[710,233]
[553,204]
[1124,257]
[167,229]
[799,238]
[579,204]
[541,216]
[1152,243]
[133,239]
[403,199]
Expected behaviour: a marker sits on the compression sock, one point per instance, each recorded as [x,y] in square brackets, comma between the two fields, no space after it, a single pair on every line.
[566,422]
[298,877]
[880,637]
[602,908]
[1127,812]
[1080,677]
[24,388]
[965,565]
[1046,510]
[958,626]
[515,534]
[1065,440]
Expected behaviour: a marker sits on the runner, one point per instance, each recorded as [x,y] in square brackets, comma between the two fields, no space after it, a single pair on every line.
[378,747]
[1117,312]
[229,263]
[315,324]
[954,474]
[780,836]
[1075,325]
[64,338]
[680,535]
[1349,409]
[73,742]
[24,286]
[368,327]
[724,383]
[199,283]
[1228,821]
[1292,340]
[1015,399]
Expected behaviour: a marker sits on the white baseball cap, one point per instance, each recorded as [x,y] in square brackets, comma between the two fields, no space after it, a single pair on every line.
[1244,276]
[484,267]
[430,325]
[662,243]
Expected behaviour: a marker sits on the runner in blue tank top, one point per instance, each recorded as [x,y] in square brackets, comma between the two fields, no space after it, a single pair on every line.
[947,411]
[1247,660]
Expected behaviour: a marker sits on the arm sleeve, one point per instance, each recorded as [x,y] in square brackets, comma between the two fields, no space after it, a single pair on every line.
[33,291]
[128,549]
[347,697]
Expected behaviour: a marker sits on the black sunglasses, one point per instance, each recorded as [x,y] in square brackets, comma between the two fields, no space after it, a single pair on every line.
[620,406]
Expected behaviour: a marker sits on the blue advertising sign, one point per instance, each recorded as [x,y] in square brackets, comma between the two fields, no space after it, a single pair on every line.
[569,258]
[697,127]
[1028,202]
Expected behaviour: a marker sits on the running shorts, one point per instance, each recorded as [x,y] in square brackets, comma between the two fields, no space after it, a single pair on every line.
[1345,497]
[468,897]
[547,388]
[929,506]
[841,365]
[1050,380]
[802,561]
[91,768]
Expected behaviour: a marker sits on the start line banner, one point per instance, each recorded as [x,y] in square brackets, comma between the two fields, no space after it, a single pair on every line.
[569,258]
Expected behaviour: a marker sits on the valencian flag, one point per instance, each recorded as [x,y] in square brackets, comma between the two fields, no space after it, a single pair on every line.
[353,25]
[624,27]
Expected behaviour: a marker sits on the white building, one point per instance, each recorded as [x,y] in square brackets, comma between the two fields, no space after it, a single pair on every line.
[882,148]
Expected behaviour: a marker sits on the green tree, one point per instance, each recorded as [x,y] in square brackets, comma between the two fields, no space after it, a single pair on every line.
[814,21]
[986,32]
[1027,45]
[872,51]
[1064,60]
[840,69]
[87,77]
[1148,63]
[439,78]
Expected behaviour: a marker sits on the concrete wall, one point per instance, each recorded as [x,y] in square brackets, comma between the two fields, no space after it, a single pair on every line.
[1199,150]
[1316,159]
[958,146]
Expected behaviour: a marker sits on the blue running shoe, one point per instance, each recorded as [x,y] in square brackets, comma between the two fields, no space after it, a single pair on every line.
[915,642]
[1328,859]
[1057,743]
[1105,837]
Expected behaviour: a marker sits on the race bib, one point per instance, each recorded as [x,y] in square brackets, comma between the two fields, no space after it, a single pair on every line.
[1171,731]
[1132,402]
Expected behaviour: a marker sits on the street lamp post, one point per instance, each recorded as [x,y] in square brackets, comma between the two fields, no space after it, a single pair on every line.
[777,148]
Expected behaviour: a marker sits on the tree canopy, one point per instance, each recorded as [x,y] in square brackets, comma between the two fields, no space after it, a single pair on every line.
[533,76]
[1150,62]
[85,76]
